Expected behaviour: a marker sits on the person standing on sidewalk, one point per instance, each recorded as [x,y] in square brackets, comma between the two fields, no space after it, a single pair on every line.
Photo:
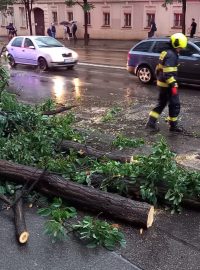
[73,30]
[193,28]
[153,28]
[53,30]
[166,72]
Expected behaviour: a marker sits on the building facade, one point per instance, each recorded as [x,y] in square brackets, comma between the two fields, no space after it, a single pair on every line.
[112,19]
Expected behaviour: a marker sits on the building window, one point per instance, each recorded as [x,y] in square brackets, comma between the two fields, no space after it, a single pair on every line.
[70,16]
[150,17]
[178,19]
[127,19]
[54,17]
[106,18]
[22,15]
[88,18]
[3,19]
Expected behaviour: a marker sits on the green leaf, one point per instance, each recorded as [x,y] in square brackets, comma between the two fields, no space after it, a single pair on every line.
[44,212]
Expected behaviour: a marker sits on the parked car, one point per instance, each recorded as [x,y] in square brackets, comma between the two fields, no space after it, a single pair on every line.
[143,58]
[42,51]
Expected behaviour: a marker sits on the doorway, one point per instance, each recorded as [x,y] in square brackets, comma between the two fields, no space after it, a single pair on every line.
[39,22]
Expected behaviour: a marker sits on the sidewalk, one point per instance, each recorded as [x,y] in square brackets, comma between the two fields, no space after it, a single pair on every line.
[104,44]
[95,44]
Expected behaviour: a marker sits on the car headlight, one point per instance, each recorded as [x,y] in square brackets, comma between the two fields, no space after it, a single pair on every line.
[75,55]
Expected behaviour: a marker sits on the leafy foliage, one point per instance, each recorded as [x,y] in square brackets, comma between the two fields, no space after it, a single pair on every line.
[31,138]
[110,114]
[96,232]
[85,5]
[122,141]
[99,232]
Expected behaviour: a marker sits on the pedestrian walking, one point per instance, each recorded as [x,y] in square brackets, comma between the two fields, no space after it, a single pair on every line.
[73,30]
[166,72]
[193,28]
[153,28]
[67,33]
[12,31]
[53,30]
[49,33]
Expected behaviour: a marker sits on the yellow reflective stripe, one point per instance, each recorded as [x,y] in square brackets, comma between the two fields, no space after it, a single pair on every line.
[154,114]
[162,55]
[170,80]
[169,69]
[172,119]
[162,84]
[159,66]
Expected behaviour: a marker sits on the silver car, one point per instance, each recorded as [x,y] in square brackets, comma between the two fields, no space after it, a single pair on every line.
[42,51]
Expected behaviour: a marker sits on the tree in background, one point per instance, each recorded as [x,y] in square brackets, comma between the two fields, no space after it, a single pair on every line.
[5,9]
[86,8]
[166,2]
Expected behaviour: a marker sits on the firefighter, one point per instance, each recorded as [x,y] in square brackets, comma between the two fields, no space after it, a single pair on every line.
[166,72]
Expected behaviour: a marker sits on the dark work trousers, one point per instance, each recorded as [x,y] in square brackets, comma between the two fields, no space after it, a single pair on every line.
[166,97]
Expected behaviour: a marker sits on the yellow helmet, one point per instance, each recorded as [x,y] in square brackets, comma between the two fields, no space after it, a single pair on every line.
[178,40]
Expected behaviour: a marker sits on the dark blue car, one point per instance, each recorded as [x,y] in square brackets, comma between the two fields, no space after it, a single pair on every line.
[143,58]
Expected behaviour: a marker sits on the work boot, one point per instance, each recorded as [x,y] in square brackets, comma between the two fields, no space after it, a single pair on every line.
[174,127]
[177,129]
[152,126]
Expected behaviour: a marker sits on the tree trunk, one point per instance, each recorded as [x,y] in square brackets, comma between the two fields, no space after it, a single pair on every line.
[28,9]
[89,151]
[86,36]
[133,212]
[133,191]
[184,13]
[20,225]
[59,110]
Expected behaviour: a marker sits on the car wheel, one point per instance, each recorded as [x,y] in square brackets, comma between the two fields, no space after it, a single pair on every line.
[144,74]
[11,61]
[42,64]
[70,67]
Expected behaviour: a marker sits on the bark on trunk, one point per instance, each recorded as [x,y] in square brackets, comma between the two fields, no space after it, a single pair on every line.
[59,110]
[90,151]
[115,205]
[133,190]
[20,225]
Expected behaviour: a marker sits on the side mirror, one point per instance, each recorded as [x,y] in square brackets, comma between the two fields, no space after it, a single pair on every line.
[31,47]
[196,55]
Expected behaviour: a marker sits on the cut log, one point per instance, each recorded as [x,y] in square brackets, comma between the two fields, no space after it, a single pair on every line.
[59,110]
[20,225]
[90,151]
[138,213]
[133,191]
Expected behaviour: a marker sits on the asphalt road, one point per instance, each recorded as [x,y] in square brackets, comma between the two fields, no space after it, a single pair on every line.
[173,242]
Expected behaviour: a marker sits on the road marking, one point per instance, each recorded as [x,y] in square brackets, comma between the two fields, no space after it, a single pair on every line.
[99,65]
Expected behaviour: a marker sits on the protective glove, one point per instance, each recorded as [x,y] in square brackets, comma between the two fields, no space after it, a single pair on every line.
[175,89]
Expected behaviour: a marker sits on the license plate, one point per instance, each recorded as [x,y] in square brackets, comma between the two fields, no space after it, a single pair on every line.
[67,60]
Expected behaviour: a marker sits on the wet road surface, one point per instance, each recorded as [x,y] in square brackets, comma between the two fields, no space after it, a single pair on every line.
[173,242]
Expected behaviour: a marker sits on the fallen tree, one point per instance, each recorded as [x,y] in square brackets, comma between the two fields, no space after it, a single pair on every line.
[90,151]
[59,110]
[133,212]
[133,190]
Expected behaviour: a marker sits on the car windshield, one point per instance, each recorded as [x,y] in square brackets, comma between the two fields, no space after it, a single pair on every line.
[47,42]
[197,43]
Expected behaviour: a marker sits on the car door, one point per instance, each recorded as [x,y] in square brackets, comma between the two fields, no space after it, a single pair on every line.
[15,49]
[29,52]
[159,46]
[189,64]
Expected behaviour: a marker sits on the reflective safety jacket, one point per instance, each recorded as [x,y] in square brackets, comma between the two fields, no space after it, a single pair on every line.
[166,70]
